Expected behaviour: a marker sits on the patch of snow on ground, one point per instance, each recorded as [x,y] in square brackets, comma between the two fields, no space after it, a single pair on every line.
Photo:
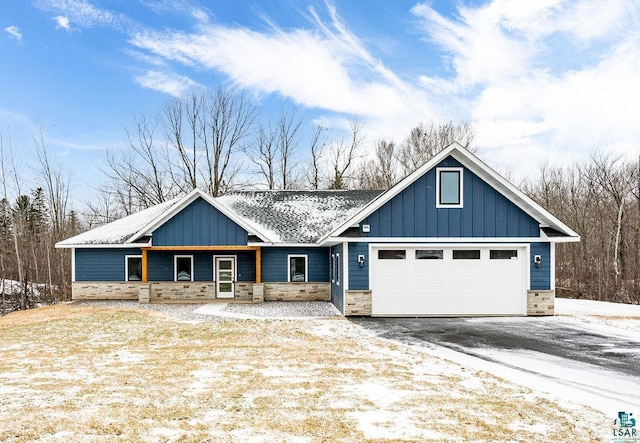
[618,315]
[572,307]
[13,287]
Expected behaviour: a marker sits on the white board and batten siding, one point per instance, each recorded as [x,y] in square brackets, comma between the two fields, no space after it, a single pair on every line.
[403,284]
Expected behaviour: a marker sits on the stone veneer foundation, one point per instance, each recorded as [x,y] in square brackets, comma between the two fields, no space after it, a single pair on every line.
[85,290]
[357,303]
[170,291]
[541,302]
[297,291]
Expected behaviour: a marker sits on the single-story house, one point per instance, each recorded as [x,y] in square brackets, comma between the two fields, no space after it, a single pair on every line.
[452,239]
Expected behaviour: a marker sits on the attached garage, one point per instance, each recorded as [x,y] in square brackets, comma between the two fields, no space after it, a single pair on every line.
[447,280]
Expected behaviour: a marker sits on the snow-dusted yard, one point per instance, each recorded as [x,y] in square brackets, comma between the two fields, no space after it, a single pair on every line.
[83,373]
[613,314]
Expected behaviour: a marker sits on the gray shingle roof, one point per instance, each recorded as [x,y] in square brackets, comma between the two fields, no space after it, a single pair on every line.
[297,216]
[281,216]
[119,231]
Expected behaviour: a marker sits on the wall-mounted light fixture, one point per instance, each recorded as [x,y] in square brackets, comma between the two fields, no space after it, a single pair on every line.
[361,260]
[537,260]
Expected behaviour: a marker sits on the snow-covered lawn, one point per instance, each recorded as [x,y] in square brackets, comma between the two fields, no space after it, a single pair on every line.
[613,314]
[80,373]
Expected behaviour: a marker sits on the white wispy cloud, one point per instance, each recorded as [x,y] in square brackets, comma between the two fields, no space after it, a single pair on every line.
[169,83]
[324,67]
[14,32]
[549,79]
[81,13]
[62,22]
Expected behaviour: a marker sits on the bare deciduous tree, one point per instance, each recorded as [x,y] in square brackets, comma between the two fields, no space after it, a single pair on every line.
[343,155]
[381,172]
[316,148]
[599,200]
[226,124]
[274,152]
[426,141]
[192,142]
[264,156]
[288,127]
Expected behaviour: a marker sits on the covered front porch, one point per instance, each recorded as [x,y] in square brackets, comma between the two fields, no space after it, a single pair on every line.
[200,273]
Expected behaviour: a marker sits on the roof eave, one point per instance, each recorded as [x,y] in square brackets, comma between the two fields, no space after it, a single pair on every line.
[101,245]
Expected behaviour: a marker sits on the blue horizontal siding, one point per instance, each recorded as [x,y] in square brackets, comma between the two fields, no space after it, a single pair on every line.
[337,290]
[274,263]
[485,212]
[199,224]
[102,264]
[540,278]
[161,263]
[358,276]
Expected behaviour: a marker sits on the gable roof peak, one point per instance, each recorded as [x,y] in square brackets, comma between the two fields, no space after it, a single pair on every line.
[472,162]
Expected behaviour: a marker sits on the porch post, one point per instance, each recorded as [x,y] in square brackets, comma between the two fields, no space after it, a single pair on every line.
[258,265]
[144,265]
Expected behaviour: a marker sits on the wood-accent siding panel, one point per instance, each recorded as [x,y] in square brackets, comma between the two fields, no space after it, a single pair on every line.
[199,224]
[485,213]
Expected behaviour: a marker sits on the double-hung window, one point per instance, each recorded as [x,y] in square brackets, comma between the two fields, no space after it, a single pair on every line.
[449,187]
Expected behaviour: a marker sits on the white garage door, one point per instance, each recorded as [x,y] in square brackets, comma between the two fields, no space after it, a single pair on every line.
[448,281]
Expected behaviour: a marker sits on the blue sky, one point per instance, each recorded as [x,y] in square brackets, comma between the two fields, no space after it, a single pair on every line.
[549,79]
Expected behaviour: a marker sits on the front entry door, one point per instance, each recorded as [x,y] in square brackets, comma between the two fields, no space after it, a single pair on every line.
[225,277]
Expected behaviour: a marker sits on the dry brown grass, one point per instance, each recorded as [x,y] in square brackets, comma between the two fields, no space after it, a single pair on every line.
[78,373]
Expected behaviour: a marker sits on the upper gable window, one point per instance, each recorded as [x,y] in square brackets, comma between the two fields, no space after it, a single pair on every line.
[449,188]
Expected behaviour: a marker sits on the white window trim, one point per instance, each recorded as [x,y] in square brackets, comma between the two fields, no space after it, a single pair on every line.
[73,264]
[126,266]
[333,268]
[175,266]
[306,266]
[338,269]
[461,184]
[345,267]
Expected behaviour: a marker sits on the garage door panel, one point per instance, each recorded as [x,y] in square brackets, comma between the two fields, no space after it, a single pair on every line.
[446,286]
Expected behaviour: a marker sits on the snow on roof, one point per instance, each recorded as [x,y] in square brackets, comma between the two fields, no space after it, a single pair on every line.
[117,232]
[297,216]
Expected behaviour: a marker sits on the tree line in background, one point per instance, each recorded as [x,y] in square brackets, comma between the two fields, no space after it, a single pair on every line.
[217,142]
[32,271]
[600,200]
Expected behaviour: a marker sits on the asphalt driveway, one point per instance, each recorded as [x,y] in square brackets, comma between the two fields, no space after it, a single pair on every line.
[594,364]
